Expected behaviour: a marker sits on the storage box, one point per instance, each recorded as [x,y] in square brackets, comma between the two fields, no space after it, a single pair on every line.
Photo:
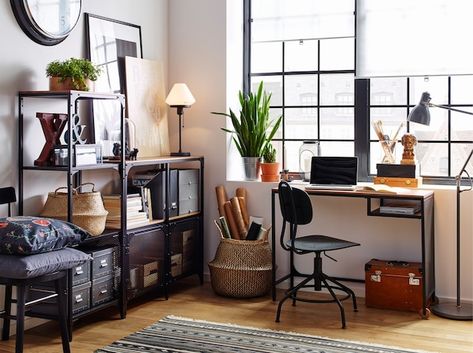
[188,250]
[150,273]
[102,290]
[393,285]
[399,182]
[396,170]
[176,265]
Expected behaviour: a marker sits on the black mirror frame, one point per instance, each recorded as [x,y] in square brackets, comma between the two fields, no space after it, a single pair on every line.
[31,28]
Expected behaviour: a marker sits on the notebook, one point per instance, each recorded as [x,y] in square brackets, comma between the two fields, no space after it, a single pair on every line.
[338,173]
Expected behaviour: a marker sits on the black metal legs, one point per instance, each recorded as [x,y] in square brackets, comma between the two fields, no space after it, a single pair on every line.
[20,317]
[321,280]
[7,310]
[62,314]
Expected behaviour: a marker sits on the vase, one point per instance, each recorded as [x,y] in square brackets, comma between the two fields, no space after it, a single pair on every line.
[252,166]
[270,172]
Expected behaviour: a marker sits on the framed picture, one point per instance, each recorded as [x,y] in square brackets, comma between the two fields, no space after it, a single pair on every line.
[109,41]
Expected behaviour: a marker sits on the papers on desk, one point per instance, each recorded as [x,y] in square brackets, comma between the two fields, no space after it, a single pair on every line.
[384,189]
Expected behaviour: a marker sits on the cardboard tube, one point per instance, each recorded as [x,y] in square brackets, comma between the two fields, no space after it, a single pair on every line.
[231,221]
[244,211]
[238,217]
[241,192]
[221,199]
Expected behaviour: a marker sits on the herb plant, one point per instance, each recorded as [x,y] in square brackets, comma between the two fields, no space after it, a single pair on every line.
[78,70]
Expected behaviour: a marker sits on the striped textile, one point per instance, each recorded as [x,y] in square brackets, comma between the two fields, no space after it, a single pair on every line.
[181,335]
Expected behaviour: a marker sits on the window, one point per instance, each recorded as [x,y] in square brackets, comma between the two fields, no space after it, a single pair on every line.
[312,81]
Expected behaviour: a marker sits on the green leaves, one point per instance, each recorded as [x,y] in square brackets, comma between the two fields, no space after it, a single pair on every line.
[79,70]
[253,130]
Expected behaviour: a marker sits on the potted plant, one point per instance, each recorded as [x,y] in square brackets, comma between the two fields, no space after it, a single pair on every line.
[72,74]
[253,129]
[269,168]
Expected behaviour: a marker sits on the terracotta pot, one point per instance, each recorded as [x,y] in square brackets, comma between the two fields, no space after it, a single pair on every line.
[57,84]
[270,172]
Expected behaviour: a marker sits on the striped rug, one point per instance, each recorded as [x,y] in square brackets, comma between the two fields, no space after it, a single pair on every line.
[175,334]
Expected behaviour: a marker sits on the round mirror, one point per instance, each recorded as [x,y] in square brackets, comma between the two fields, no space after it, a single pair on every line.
[47,22]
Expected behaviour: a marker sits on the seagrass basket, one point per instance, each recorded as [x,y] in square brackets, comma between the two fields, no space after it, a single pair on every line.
[88,211]
[241,268]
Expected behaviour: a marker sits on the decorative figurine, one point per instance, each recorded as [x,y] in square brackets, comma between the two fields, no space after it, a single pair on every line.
[408,141]
[130,155]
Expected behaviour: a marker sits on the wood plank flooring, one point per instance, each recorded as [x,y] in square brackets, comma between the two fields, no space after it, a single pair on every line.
[194,301]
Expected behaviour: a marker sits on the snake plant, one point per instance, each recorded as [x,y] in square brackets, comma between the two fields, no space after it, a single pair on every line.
[253,129]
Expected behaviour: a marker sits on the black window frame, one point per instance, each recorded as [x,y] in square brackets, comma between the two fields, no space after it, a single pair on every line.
[362,105]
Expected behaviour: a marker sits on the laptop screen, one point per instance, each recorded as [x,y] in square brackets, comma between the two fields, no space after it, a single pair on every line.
[334,170]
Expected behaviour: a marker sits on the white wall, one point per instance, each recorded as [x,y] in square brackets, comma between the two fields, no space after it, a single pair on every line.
[199,35]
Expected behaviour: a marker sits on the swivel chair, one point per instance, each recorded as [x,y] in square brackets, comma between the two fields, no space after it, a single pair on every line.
[296,209]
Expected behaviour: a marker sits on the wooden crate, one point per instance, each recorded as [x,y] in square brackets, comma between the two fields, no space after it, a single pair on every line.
[399,182]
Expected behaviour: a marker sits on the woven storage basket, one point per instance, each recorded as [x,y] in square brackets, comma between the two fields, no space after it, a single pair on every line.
[241,268]
[88,211]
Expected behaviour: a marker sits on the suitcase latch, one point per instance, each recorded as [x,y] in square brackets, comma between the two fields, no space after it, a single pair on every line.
[413,281]
[376,277]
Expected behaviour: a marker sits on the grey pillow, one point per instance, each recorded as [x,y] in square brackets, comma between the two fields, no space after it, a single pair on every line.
[30,266]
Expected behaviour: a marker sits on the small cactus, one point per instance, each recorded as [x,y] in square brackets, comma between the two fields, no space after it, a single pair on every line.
[269,154]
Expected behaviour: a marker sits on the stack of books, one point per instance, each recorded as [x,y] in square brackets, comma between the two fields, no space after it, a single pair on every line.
[135,215]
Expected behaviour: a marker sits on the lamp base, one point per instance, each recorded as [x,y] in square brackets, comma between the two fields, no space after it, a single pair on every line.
[451,311]
[180,154]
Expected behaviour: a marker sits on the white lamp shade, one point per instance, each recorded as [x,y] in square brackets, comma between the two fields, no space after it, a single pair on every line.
[180,95]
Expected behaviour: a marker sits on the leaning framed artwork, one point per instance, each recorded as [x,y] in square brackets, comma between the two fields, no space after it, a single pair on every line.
[109,41]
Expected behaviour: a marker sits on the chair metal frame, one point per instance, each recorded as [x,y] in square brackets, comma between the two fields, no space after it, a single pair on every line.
[296,209]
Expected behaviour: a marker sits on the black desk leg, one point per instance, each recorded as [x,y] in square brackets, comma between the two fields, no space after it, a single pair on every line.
[7,309]
[20,317]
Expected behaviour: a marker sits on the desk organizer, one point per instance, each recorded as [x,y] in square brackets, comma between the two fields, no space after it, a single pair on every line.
[241,268]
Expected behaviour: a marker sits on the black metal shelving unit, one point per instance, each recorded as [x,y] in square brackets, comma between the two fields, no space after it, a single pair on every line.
[122,236]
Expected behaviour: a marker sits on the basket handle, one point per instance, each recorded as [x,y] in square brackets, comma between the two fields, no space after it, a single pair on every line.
[75,190]
[84,184]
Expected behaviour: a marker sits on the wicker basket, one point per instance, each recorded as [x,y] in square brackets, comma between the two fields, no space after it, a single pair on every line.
[88,211]
[241,268]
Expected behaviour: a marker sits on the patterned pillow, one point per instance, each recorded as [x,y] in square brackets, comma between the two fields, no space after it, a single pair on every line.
[33,235]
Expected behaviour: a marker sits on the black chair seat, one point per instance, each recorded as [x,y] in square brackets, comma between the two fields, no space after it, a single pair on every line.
[317,243]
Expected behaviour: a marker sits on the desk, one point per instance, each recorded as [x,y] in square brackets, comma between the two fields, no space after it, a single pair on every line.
[423,198]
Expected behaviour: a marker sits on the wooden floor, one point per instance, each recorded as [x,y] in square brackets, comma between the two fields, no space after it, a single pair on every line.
[199,302]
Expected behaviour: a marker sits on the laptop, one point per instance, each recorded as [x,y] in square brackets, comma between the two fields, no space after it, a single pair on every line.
[333,173]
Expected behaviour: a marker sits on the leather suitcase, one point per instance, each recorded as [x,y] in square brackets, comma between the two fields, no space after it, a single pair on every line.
[394,285]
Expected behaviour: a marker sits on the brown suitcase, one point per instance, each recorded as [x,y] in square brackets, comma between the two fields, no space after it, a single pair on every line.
[394,285]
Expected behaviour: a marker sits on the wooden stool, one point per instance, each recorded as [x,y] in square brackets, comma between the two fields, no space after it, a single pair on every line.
[60,280]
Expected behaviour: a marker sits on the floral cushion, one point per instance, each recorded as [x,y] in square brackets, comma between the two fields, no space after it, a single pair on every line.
[33,235]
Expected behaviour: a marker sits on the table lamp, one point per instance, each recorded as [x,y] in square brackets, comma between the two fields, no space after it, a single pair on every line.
[180,97]
[457,310]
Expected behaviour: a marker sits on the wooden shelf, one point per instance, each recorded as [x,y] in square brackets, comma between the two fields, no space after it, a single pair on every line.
[72,93]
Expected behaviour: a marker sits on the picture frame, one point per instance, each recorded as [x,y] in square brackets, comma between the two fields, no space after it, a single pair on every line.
[109,41]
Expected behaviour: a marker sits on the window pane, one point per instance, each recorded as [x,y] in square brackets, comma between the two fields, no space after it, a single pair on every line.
[462,126]
[291,150]
[272,84]
[282,20]
[279,151]
[437,130]
[462,92]
[275,113]
[301,55]
[337,89]
[388,91]
[266,57]
[391,119]
[433,158]
[337,123]
[301,123]
[436,86]
[337,54]
[377,155]
[301,90]
[336,149]
[460,152]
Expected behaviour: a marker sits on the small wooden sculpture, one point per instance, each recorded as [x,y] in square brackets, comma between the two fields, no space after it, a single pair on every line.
[408,141]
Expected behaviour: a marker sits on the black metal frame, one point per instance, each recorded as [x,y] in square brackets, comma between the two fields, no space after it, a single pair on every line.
[425,215]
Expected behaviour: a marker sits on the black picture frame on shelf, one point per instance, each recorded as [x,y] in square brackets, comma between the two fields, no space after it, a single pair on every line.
[109,41]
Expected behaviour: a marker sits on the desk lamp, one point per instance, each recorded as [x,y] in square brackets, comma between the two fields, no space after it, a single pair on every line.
[455,311]
[180,97]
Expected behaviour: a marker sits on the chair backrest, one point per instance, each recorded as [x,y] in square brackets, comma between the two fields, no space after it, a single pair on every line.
[7,196]
[296,207]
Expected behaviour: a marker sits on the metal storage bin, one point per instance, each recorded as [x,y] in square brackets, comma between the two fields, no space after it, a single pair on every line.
[81,298]
[102,264]
[102,290]
[188,191]
[81,274]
